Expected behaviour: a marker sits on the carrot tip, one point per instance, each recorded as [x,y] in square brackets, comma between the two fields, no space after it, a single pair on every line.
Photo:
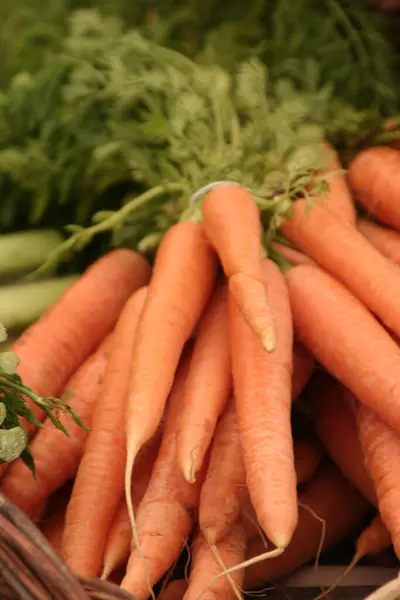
[268,339]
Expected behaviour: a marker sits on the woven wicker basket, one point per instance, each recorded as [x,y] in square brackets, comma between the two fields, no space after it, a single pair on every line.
[30,569]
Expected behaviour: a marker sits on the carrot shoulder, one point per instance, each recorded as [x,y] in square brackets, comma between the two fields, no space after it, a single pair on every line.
[207,387]
[343,336]
[57,456]
[183,280]
[232,223]
[98,486]
[262,388]
[374,176]
[344,252]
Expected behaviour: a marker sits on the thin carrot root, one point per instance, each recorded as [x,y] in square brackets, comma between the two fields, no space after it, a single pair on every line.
[374,539]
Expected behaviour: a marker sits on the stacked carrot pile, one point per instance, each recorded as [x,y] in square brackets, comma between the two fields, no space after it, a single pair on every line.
[187,375]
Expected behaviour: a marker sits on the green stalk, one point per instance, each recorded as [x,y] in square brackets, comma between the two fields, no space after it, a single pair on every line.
[22,304]
[24,251]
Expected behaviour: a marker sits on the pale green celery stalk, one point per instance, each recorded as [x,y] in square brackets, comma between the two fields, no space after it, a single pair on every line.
[24,251]
[23,303]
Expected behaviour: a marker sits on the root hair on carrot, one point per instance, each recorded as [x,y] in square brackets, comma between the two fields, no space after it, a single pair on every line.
[218,558]
[243,565]
[323,532]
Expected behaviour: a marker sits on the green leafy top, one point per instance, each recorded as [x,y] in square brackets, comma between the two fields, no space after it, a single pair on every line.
[14,438]
[114,109]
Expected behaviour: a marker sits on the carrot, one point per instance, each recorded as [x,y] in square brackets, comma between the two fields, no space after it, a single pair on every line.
[337,428]
[323,495]
[308,455]
[184,276]
[207,387]
[98,485]
[386,240]
[374,175]
[292,255]
[262,384]
[225,482]
[303,367]
[373,539]
[175,590]
[338,199]
[120,535]
[210,561]
[56,456]
[344,252]
[381,449]
[343,336]
[166,513]
[232,223]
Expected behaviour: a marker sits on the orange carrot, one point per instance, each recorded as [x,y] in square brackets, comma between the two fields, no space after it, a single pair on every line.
[98,485]
[337,428]
[292,255]
[262,385]
[225,482]
[338,199]
[232,223]
[343,336]
[207,387]
[327,491]
[166,514]
[120,535]
[303,367]
[308,455]
[374,539]
[56,456]
[344,252]
[184,276]
[210,561]
[381,449]
[374,175]
[175,590]
[386,240]
[52,349]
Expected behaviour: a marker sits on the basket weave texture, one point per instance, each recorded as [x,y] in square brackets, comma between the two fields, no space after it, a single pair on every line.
[31,570]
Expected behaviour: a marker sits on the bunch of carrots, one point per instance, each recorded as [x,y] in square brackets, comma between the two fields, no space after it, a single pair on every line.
[188,375]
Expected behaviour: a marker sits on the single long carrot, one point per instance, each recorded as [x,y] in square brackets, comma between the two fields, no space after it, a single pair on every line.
[225,482]
[183,279]
[338,199]
[374,175]
[53,348]
[207,387]
[295,257]
[308,456]
[321,525]
[381,449]
[344,252]
[303,367]
[210,561]
[232,223]
[337,428]
[56,456]
[386,240]
[262,388]
[98,486]
[166,513]
[120,535]
[343,336]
